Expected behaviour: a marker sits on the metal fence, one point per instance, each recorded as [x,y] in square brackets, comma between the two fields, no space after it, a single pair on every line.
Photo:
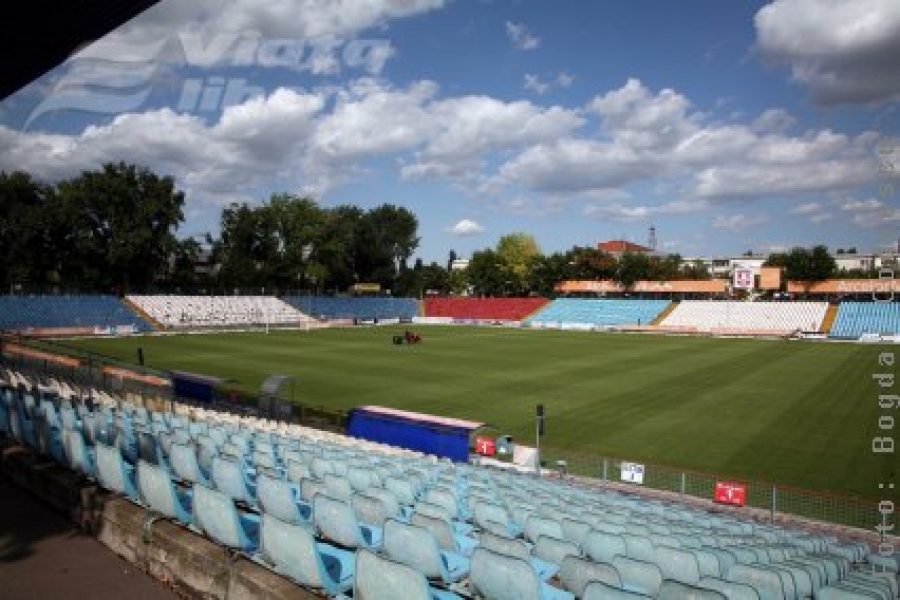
[777,500]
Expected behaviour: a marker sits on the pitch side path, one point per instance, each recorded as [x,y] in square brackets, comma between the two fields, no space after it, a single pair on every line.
[43,556]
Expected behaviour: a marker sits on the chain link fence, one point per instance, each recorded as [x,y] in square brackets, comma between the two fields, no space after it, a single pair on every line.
[777,500]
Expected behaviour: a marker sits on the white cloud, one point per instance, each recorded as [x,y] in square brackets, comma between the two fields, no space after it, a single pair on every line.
[774,120]
[565,80]
[844,51]
[466,227]
[806,209]
[820,217]
[861,205]
[869,213]
[736,223]
[308,35]
[617,212]
[534,83]
[521,37]
[885,217]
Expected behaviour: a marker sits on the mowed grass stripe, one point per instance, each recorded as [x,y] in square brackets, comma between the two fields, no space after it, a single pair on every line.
[786,412]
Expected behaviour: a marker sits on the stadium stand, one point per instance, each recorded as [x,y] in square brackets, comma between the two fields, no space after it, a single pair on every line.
[855,319]
[217,311]
[601,313]
[54,312]
[483,309]
[349,307]
[748,317]
[602,542]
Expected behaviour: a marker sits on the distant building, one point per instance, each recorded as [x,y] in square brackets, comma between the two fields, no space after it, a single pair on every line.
[459,264]
[619,247]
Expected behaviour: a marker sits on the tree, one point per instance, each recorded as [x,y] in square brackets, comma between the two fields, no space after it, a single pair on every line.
[384,239]
[591,263]
[696,270]
[120,224]
[633,267]
[516,252]
[804,265]
[30,233]
[486,275]
[549,270]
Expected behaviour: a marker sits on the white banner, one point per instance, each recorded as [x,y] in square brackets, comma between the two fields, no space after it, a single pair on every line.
[633,472]
[743,279]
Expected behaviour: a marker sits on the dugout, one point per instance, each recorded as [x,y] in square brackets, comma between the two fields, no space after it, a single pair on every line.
[195,386]
[441,436]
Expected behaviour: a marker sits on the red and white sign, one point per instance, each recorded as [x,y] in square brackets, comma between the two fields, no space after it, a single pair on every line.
[743,279]
[730,493]
[485,445]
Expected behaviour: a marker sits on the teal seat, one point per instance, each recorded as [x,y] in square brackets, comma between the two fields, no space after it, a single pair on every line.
[677,564]
[576,572]
[215,513]
[676,590]
[602,546]
[597,590]
[379,578]
[443,532]
[228,476]
[295,553]
[114,473]
[158,492]
[497,576]
[79,456]
[184,464]
[336,521]
[415,546]
[731,590]
[638,576]
[282,500]
[517,548]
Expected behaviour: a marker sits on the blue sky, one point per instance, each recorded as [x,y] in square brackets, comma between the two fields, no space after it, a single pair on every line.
[728,125]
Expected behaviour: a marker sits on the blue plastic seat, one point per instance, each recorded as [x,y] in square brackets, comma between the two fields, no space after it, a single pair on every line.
[575,572]
[597,590]
[113,472]
[415,546]
[230,477]
[379,578]
[157,491]
[517,548]
[184,464]
[294,552]
[447,538]
[79,456]
[336,521]
[602,546]
[216,515]
[282,500]
[485,513]
[497,576]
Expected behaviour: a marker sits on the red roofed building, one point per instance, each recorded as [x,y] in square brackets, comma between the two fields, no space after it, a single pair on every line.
[620,247]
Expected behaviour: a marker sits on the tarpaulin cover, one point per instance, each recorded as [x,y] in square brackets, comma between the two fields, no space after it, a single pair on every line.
[440,436]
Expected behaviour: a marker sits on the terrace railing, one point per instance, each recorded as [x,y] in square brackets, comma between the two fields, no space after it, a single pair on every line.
[772,500]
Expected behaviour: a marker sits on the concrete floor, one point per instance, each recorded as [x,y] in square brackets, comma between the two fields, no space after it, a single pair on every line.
[43,556]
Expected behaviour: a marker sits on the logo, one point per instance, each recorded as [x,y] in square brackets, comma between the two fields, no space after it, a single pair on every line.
[114,76]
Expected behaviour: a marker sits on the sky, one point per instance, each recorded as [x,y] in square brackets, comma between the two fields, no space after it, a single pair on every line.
[729,126]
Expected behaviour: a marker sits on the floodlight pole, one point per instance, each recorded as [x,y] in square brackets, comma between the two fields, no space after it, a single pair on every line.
[537,446]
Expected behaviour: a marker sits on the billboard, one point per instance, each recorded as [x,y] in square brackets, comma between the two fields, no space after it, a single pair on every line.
[743,278]
[484,445]
[770,278]
[727,492]
[632,472]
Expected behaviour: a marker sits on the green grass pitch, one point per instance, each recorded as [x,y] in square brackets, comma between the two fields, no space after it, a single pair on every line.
[795,413]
